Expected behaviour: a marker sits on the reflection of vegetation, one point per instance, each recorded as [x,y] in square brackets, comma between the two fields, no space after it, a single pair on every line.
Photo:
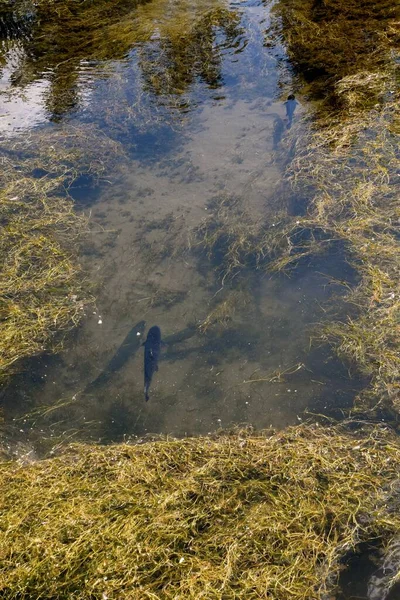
[348,170]
[233,517]
[170,65]
[60,36]
[41,288]
[333,39]
[65,37]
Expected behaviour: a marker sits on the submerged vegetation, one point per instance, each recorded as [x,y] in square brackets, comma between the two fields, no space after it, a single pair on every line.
[356,200]
[41,285]
[234,516]
[346,170]
[233,240]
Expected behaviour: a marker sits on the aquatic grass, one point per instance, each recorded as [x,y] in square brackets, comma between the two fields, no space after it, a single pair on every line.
[40,284]
[233,240]
[42,288]
[349,168]
[224,309]
[235,516]
[344,161]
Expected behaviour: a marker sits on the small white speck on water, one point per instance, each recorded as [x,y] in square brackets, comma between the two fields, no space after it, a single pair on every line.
[219,420]
[138,334]
[100,321]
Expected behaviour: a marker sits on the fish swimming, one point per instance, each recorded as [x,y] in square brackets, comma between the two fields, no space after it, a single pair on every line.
[290,105]
[152,348]
[127,349]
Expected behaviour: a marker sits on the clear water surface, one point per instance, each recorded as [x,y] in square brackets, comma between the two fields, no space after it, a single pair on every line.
[199,130]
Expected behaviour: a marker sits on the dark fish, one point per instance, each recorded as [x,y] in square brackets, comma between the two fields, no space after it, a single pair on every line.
[128,348]
[279,128]
[152,348]
[290,105]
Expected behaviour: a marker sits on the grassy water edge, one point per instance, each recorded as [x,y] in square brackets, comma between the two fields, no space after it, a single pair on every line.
[42,288]
[342,179]
[348,171]
[240,515]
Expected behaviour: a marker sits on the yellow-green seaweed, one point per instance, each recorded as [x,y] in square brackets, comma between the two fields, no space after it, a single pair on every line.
[240,515]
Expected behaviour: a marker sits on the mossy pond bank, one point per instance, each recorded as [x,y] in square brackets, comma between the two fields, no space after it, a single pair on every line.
[149,174]
[240,515]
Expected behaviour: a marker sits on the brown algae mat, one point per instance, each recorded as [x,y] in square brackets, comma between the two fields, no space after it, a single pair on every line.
[240,515]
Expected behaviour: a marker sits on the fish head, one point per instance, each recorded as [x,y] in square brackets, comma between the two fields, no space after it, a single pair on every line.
[154,334]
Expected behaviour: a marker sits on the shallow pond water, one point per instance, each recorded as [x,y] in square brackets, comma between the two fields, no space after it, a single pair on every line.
[197,106]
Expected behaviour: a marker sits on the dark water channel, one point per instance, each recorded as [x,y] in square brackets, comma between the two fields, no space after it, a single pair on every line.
[200,121]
